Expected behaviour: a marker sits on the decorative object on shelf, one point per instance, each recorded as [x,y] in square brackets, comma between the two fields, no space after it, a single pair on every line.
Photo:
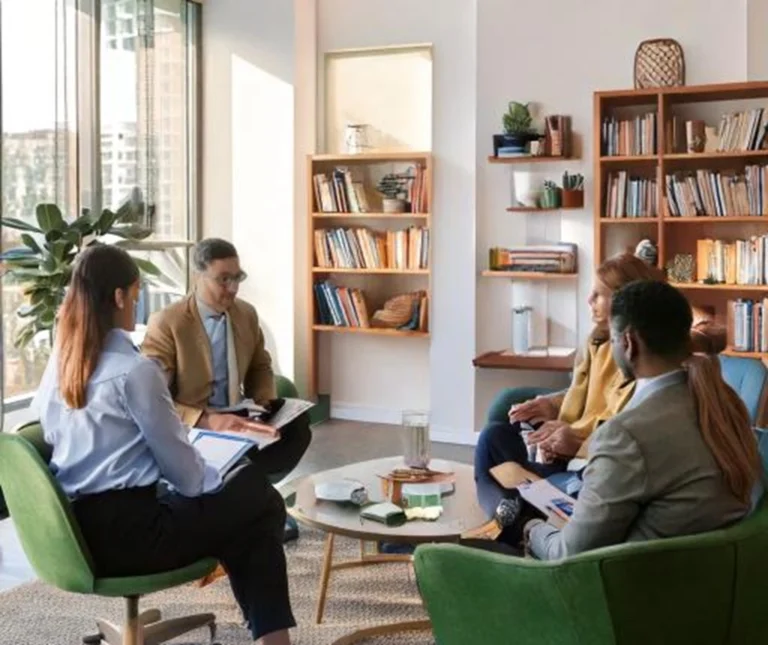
[416,446]
[659,62]
[572,195]
[525,192]
[521,329]
[393,188]
[711,139]
[647,251]
[399,310]
[695,137]
[356,138]
[42,264]
[550,195]
[517,132]
[681,268]
[537,148]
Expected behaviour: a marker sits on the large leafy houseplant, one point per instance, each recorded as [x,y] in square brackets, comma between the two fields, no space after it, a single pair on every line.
[42,264]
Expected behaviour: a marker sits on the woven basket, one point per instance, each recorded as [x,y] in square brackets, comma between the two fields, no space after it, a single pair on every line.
[659,63]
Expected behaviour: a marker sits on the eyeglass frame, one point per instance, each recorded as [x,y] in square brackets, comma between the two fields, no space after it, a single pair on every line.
[228,281]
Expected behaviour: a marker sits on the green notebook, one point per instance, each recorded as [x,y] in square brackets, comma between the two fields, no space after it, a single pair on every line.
[384,512]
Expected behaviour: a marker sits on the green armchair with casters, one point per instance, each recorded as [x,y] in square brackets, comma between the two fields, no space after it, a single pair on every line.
[52,542]
[704,589]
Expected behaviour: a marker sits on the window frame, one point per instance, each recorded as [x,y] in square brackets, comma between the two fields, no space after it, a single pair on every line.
[88,161]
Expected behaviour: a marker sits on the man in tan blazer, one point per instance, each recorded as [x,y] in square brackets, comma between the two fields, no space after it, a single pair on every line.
[211,347]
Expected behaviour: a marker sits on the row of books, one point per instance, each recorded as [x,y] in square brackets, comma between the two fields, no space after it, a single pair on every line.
[628,196]
[552,258]
[343,190]
[347,307]
[737,262]
[742,130]
[749,323]
[710,192]
[636,136]
[361,248]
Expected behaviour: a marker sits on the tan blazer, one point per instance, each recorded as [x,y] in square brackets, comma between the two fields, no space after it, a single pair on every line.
[176,339]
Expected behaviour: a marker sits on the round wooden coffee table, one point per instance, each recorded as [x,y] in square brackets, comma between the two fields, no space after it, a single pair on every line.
[461,514]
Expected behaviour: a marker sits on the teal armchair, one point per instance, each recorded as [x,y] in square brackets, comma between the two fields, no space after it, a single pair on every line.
[54,546]
[704,589]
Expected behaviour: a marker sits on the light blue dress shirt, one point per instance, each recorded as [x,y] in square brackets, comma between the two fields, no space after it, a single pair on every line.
[215,325]
[127,435]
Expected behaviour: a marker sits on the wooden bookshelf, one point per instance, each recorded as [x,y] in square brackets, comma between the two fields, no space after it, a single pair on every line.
[675,234]
[528,275]
[381,281]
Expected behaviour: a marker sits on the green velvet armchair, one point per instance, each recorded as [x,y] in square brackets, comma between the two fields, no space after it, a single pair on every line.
[705,589]
[52,542]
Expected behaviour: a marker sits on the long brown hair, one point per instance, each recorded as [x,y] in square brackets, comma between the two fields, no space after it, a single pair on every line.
[617,271]
[87,316]
[661,316]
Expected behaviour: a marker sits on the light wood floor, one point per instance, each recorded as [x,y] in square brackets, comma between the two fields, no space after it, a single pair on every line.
[334,444]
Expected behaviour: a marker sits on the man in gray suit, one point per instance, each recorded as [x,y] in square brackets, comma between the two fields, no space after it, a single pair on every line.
[651,473]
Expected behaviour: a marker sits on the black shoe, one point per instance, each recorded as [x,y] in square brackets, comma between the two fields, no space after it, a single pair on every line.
[291,530]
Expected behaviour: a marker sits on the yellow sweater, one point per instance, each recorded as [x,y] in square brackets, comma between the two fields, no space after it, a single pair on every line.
[598,391]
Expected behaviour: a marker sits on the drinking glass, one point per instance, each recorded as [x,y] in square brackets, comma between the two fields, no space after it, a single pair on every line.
[416,438]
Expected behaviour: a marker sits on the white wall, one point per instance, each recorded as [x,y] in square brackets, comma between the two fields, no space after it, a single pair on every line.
[399,373]
[248,147]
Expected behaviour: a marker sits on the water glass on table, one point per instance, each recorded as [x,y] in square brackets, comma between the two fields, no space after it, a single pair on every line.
[416,445]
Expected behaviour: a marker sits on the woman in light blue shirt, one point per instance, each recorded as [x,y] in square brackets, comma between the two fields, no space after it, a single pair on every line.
[109,416]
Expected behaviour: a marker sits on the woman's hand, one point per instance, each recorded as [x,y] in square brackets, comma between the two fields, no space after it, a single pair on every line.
[220,422]
[562,442]
[536,410]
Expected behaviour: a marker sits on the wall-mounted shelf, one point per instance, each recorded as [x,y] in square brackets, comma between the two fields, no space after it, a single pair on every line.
[392,216]
[529,275]
[720,287]
[527,209]
[379,331]
[528,159]
[506,360]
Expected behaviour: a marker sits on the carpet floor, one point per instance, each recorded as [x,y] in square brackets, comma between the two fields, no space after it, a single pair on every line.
[37,614]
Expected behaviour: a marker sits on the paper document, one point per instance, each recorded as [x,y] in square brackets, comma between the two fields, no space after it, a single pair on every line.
[291,409]
[547,498]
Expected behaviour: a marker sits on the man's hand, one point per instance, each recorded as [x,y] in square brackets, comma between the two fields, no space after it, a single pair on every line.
[534,411]
[219,422]
[562,442]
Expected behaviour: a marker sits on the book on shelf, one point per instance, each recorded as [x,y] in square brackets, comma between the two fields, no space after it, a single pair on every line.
[361,248]
[342,190]
[629,137]
[347,307]
[735,132]
[749,325]
[627,196]
[551,258]
[736,262]
[720,194]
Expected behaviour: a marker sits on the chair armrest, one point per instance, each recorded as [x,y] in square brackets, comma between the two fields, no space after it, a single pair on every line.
[499,408]
[475,596]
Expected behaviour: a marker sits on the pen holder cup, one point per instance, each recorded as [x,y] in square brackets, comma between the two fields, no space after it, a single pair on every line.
[550,198]
[573,198]
[392,491]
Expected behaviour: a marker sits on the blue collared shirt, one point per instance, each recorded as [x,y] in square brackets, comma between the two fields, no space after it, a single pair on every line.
[215,325]
[127,435]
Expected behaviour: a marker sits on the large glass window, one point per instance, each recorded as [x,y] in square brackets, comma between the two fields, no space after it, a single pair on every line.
[99,104]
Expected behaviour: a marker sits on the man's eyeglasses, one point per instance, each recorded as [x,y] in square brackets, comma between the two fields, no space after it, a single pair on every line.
[227,281]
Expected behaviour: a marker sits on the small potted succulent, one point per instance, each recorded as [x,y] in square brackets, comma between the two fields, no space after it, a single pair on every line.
[517,131]
[394,192]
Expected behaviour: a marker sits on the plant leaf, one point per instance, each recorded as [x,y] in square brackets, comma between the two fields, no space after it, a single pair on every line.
[25,311]
[19,225]
[49,217]
[104,223]
[130,232]
[30,242]
[145,266]
[25,335]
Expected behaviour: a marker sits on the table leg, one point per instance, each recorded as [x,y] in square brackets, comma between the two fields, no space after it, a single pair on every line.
[324,578]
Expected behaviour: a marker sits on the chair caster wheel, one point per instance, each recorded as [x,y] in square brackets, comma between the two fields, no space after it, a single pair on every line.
[95,639]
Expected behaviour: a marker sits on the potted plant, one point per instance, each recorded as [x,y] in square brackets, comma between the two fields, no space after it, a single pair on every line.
[42,265]
[393,189]
[517,131]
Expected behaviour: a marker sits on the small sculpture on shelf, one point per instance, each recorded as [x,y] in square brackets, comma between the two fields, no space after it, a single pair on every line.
[647,251]
[406,311]
[394,191]
[680,269]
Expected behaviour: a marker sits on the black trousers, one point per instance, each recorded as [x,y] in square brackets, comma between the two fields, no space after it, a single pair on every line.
[279,459]
[136,532]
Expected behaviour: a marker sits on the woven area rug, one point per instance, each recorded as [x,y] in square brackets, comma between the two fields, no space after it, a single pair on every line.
[37,614]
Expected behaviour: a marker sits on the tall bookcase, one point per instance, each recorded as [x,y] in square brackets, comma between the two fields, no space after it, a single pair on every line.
[695,193]
[400,264]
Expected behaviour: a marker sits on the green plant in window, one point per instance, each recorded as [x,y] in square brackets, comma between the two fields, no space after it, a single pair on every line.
[42,264]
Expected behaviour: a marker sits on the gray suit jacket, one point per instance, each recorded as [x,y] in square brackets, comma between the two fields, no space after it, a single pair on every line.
[650,475]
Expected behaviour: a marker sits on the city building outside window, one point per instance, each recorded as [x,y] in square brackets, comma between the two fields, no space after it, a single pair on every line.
[112,110]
